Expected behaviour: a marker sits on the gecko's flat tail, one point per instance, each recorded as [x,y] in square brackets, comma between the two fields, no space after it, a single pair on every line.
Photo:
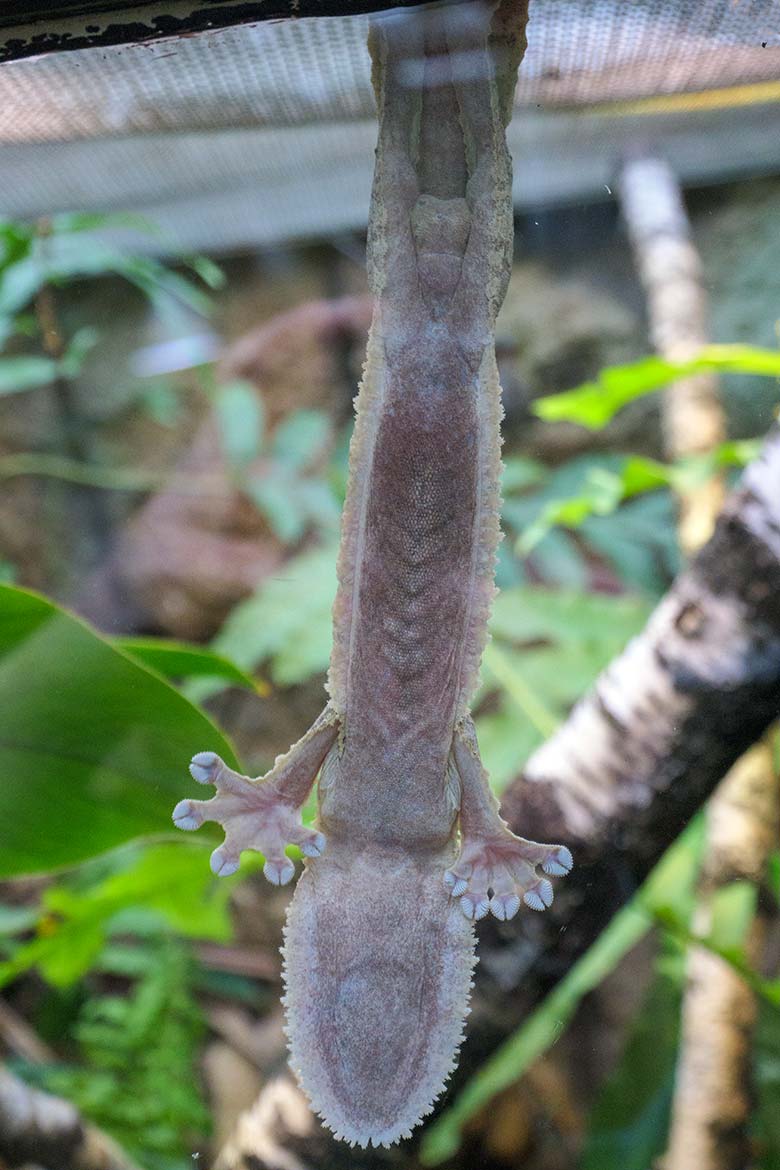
[378,964]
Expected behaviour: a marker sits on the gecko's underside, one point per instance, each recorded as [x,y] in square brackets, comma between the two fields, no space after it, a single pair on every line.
[410,849]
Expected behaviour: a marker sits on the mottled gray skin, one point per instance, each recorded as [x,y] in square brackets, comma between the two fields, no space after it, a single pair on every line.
[379,944]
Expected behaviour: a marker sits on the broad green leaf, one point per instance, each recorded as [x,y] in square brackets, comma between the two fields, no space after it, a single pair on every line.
[301,437]
[514,679]
[318,502]
[639,540]
[15,241]
[177,660]
[506,740]
[93,746]
[559,561]
[239,410]
[676,870]
[594,404]
[533,613]
[26,373]
[520,473]
[288,620]
[275,496]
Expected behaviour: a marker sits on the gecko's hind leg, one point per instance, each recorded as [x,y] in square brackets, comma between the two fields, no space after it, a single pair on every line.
[261,814]
[495,869]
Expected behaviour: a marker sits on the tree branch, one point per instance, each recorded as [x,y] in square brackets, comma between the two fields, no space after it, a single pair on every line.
[665,721]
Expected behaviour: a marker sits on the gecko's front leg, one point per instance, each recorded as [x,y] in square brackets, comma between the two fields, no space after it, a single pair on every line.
[262,814]
[495,869]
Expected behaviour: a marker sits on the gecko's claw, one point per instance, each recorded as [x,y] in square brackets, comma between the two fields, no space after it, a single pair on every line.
[187,815]
[223,862]
[456,883]
[475,907]
[313,845]
[540,895]
[559,861]
[279,871]
[204,767]
[504,906]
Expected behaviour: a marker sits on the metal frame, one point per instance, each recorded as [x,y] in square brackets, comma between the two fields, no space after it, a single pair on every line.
[31,27]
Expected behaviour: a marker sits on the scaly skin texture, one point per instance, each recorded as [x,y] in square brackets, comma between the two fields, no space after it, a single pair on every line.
[410,849]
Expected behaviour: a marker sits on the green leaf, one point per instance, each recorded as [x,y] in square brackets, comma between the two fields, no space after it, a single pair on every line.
[287,622]
[301,437]
[26,373]
[275,496]
[19,282]
[177,660]
[78,256]
[89,221]
[209,272]
[520,473]
[639,540]
[80,345]
[241,421]
[733,909]
[629,1122]
[603,492]
[94,746]
[594,404]
[766,1117]
[674,872]
[533,614]
[137,1076]
[170,880]
[16,919]
[506,740]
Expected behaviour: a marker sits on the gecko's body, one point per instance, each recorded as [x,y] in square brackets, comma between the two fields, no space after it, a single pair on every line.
[379,941]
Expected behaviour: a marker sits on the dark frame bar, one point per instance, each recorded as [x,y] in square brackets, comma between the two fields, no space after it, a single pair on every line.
[31,27]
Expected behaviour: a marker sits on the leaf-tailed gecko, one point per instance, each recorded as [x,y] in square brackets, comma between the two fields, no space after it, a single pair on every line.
[410,848]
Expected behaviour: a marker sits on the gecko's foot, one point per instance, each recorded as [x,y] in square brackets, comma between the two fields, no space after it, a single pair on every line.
[496,874]
[254,814]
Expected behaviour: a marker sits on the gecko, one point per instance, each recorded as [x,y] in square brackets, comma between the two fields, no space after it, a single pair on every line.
[409,848]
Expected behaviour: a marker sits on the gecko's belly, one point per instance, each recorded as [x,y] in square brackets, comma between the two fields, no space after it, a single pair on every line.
[416,575]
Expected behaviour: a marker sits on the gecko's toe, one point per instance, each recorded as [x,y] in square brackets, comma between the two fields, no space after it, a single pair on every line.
[539,896]
[223,862]
[504,906]
[475,906]
[187,815]
[204,766]
[313,845]
[279,871]
[559,862]
[456,883]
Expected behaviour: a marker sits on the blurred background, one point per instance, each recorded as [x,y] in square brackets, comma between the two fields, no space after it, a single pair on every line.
[183,315]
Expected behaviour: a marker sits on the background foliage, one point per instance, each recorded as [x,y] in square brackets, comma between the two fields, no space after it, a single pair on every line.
[100,949]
